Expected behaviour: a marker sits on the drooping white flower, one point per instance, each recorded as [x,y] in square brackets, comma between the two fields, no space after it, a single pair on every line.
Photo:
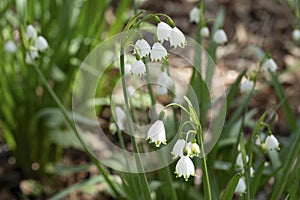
[195,149]
[252,171]
[220,37]
[239,160]
[194,15]
[10,46]
[41,43]
[158,52]
[271,143]
[241,186]
[130,90]
[31,55]
[163,82]
[296,35]
[112,128]
[138,68]
[157,133]
[178,148]
[31,32]
[204,31]
[164,79]
[163,31]
[246,86]
[161,90]
[177,38]
[185,167]
[120,117]
[142,48]
[269,64]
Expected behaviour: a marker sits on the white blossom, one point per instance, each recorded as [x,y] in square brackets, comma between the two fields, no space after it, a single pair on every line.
[241,186]
[163,31]
[271,143]
[194,15]
[246,86]
[220,37]
[239,160]
[157,133]
[10,46]
[41,43]
[31,32]
[161,90]
[204,31]
[31,55]
[195,149]
[112,128]
[138,68]
[163,82]
[252,171]
[142,48]
[120,117]
[164,79]
[177,38]
[158,52]
[296,35]
[185,167]
[178,148]
[269,64]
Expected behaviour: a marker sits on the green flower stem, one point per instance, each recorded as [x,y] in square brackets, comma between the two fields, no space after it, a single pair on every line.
[71,124]
[166,169]
[205,171]
[142,176]
[149,85]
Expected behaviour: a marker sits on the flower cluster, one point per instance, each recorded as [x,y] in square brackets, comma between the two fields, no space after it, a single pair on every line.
[185,151]
[37,44]
[270,143]
[10,46]
[241,186]
[219,36]
[157,52]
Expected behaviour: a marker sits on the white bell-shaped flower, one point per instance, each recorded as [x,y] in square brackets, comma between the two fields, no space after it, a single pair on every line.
[185,167]
[177,38]
[157,133]
[252,171]
[194,15]
[161,90]
[31,55]
[271,143]
[31,32]
[138,68]
[178,148]
[112,128]
[220,37]
[142,48]
[241,186]
[239,160]
[246,86]
[296,35]
[163,31]
[164,79]
[158,52]
[41,43]
[204,31]
[10,46]
[195,149]
[120,117]
[269,64]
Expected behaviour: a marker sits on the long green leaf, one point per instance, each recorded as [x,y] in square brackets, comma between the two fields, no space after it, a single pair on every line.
[230,189]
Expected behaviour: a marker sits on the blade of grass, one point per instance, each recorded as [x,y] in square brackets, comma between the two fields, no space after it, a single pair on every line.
[282,177]
[286,106]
